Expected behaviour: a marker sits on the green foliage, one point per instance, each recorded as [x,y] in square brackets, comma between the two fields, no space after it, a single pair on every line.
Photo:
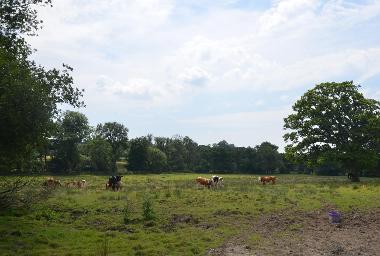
[334,122]
[267,158]
[116,135]
[127,212]
[194,222]
[72,129]
[100,153]
[46,214]
[103,249]
[156,160]
[148,212]
[138,153]
[29,94]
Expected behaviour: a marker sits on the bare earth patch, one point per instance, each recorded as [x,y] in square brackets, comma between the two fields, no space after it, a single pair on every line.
[300,233]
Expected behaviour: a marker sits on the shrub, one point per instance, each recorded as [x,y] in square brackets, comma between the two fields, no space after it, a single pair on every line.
[148,212]
[127,213]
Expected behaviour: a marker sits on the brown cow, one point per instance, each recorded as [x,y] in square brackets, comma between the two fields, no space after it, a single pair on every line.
[51,183]
[76,184]
[265,179]
[203,181]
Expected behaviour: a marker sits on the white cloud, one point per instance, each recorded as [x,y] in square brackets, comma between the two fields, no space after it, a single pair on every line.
[162,53]
[273,53]
[194,76]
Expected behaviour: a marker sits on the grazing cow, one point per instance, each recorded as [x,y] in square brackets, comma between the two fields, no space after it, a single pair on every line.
[217,181]
[51,183]
[203,181]
[266,179]
[76,184]
[114,182]
[70,184]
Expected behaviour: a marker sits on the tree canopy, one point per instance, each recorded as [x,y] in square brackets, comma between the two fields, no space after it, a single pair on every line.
[72,129]
[334,122]
[117,136]
[29,93]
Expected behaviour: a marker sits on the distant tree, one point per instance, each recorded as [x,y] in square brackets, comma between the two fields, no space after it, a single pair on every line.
[100,153]
[29,94]
[267,158]
[191,152]
[117,136]
[175,150]
[138,153]
[223,156]
[176,153]
[156,160]
[334,122]
[73,128]
[204,164]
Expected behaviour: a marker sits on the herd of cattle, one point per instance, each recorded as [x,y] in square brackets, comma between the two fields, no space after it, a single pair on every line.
[216,181]
[114,182]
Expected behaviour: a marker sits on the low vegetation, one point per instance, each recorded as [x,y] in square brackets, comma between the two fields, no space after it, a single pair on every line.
[168,214]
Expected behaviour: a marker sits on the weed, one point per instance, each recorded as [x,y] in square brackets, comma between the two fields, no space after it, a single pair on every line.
[46,214]
[127,212]
[103,249]
[148,212]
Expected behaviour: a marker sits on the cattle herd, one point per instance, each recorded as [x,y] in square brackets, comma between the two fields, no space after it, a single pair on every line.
[114,182]
[216,181]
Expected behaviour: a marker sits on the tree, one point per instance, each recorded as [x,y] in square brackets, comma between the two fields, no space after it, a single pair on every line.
[223,156]
[138,153]
[156,160]
[29,94]
[334,122]
[73,128]
[267,158]
[117,136]
[100,152]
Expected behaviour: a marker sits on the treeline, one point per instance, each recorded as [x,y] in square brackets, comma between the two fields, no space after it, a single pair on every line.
[106,148]
[75,146]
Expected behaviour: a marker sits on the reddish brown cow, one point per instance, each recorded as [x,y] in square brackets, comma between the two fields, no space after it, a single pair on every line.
[51,183]
[204,181]
[266,179]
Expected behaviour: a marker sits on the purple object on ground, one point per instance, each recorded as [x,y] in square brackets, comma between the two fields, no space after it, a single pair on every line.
[334,217]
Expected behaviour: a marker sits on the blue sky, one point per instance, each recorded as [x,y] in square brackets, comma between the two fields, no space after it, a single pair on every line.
[211,70]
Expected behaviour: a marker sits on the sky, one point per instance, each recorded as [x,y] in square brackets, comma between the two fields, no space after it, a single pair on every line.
[211,70]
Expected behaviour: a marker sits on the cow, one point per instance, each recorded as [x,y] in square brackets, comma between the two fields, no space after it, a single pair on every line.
[114,182]
[217,181]
[265,179]
[203,181]
[76,184]
[51,183]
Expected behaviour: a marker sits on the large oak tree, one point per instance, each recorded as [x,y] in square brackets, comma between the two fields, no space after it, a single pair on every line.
[334,122]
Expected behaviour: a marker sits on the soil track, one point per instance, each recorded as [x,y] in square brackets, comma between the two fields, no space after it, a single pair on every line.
[300,233]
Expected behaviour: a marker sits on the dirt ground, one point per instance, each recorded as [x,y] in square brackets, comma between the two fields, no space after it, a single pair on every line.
[295,233]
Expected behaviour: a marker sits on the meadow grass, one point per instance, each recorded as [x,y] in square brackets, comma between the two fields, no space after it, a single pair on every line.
[166,214]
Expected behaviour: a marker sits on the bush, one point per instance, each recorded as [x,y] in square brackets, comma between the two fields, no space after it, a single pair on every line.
[127,213]
[148,212]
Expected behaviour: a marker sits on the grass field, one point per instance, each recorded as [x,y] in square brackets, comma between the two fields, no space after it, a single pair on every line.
[169,214]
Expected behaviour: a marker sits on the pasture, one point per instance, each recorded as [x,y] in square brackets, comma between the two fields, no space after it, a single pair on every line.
[169,214]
